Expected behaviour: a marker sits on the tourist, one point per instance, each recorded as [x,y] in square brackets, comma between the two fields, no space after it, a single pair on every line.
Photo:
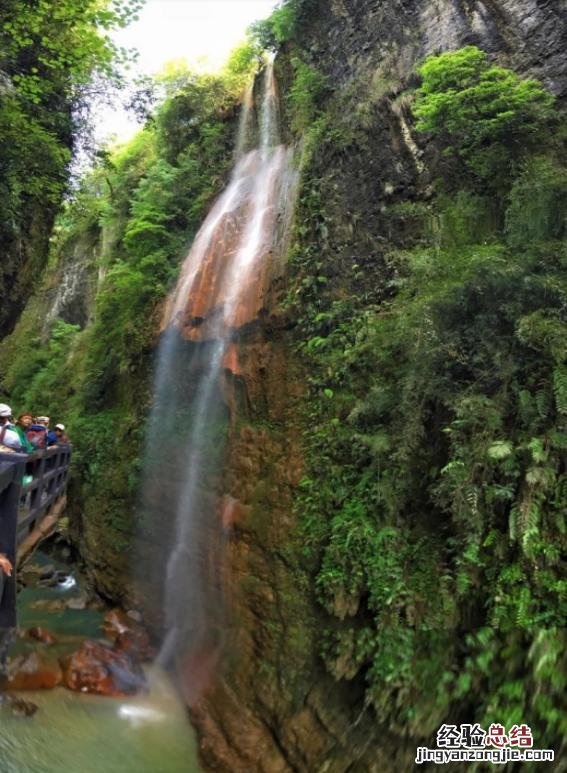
[23,426]
[37,432]
[9,438]
[5,565]
[61,437]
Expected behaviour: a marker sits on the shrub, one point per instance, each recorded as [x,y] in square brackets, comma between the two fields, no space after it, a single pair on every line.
[538,203]
[283,25]
[485,115]
[308,88]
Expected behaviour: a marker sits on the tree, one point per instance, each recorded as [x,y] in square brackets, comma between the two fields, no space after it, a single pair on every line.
[486,116]
[283,25]
[53,55]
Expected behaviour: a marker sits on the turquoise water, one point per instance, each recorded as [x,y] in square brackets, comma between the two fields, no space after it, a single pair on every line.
[76,733]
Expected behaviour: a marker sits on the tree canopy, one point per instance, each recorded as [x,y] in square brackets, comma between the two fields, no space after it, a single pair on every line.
[485,115]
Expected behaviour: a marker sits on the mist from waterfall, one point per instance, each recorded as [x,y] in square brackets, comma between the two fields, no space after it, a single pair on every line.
[221,289]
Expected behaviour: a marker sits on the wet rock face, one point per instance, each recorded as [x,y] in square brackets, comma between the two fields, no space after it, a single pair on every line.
[70,295]
[270,706]
[392,37]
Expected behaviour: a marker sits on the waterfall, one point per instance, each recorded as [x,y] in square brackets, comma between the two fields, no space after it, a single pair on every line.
[221,290]
[244,125]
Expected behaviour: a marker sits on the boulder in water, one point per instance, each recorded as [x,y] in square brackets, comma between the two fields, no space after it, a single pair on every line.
[127,636]
[17,706]
[29,574]
[32,672]
[49,605]
[96,668]
[40,634]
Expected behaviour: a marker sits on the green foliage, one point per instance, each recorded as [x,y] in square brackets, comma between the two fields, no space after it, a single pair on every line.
[485,115]
[51,48]
[465,217]
[242,65]
[139,208]
[50,55]
[305,95]
[538,203]
[37,377]
[277,28]
[435,488]
[283,25]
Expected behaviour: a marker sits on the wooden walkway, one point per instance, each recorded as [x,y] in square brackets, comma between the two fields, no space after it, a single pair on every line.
[28,512]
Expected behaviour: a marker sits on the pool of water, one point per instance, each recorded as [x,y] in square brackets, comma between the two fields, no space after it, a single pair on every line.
[76,733]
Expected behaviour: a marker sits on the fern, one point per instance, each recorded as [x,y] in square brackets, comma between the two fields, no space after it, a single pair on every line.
[513,522]
[500,449]
[560,390]
[543,403]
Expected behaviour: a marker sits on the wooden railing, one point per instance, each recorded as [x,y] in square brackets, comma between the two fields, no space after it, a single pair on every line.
[23,506]
[49,470]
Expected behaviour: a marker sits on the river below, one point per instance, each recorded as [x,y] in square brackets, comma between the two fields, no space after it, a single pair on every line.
[77,733]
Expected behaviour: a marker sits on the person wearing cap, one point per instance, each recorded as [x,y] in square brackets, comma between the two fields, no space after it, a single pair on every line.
[37,432]
[60,436]
[9,438]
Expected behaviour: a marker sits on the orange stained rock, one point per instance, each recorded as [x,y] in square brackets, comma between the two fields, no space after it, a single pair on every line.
[41,634]
[97,669]
[232,512]
[231,361]
[225,277]
[196,669]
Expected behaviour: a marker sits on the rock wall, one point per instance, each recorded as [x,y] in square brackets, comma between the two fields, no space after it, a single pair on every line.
[272,707]
[349,36]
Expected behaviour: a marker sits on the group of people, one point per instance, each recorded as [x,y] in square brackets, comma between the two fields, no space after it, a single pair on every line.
[26,435]
[29,433]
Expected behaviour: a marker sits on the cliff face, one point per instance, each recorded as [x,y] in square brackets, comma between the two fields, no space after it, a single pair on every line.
[273,706]
[350,36]
[280,700]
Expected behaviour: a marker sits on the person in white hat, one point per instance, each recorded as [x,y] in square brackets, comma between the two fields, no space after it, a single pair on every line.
[9,438]
[60,434]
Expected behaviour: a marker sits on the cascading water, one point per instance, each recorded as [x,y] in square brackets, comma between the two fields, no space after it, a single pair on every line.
[221,290]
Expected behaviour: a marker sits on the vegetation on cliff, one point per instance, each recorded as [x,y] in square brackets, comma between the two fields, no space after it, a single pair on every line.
[51,60]
[134,215]
[430,327]
[486,116]
[433,505]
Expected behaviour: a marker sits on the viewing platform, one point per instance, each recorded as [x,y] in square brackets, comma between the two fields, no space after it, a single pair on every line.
[28,510]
